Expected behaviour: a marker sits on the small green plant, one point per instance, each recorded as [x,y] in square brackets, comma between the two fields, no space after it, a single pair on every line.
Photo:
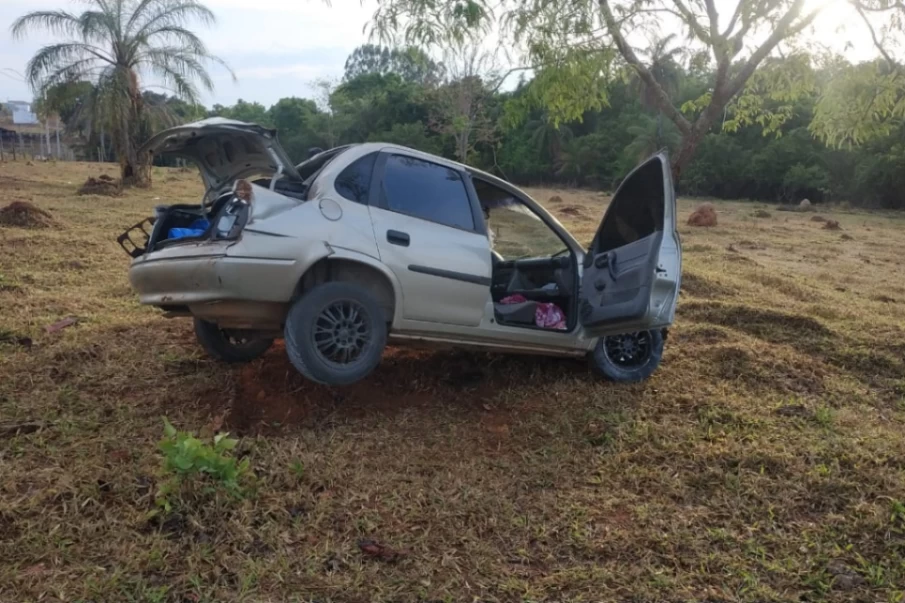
[897,515]
[298,468]
[824,416]
[187,457]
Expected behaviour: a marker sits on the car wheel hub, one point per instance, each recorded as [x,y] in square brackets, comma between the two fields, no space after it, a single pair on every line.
[629,350]
[342,332]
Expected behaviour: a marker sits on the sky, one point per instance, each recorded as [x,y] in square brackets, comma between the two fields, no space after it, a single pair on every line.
[278,47]
[275,47]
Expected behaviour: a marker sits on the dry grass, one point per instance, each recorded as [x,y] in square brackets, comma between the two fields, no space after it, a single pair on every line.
[763,462]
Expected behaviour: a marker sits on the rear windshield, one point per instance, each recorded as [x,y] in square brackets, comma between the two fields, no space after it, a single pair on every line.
[310,168]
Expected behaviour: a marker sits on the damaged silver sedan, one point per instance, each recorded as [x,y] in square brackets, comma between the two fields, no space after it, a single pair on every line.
[373,243]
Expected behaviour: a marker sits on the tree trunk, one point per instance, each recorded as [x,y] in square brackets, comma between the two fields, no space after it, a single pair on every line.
[686,152]
[134,170]
[691,140]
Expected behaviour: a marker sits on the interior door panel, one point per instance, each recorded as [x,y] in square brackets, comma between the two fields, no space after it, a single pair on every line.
[631,273]
[617,285]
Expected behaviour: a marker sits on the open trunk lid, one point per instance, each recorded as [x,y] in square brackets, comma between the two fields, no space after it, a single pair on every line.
[226,150]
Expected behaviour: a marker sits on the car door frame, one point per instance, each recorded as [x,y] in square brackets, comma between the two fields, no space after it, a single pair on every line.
[662,278]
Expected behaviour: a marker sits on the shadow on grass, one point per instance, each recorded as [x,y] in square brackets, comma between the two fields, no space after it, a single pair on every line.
[874,363]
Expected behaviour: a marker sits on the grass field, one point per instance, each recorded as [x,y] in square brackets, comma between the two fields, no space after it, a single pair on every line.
[764,461]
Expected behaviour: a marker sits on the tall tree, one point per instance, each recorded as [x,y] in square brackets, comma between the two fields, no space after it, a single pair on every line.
[864,102]
[411,63]
[579,38]
[114,44]
[460,105]
[666,71]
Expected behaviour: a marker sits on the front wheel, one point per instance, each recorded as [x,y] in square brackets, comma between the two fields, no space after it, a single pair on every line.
[628,358]
[335,333]
[229,346]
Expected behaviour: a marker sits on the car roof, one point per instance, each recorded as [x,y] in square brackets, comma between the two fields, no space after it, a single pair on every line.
[368,147]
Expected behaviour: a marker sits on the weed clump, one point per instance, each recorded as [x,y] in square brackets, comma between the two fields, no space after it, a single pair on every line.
[193,463]
[25,215]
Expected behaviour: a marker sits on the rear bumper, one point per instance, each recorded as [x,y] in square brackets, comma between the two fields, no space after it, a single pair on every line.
[205,273]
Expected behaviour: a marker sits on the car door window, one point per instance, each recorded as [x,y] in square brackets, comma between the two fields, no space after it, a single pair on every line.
[631,215]
[515,231]
[354,182]
[426,190]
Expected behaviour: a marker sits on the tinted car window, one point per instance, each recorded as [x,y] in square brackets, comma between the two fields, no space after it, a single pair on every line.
[426,190]
[354,182]
[636,211]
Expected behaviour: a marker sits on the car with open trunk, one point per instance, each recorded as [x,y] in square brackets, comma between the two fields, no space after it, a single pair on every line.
[373,244]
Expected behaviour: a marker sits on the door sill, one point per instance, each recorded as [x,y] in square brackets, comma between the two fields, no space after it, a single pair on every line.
[488,346]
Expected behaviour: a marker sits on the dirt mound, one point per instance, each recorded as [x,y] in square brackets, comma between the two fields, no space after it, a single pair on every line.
[818,219]
[704,215]
[846,237]
[761,213]
[25,215]
[571,210]
[555,199]
[832,225]
[102,185]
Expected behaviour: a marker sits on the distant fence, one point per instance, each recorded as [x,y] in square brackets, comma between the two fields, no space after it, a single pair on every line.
[15,146]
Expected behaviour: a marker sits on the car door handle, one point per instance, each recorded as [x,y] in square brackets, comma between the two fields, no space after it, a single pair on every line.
[608,261]
[398,238]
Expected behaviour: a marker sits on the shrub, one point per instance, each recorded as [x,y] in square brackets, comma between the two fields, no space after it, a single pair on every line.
[186,457]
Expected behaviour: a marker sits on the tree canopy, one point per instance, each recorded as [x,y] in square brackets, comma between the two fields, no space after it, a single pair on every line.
[570,41]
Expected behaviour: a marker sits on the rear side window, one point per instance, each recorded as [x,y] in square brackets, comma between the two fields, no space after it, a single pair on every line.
[426,190]
[354,182]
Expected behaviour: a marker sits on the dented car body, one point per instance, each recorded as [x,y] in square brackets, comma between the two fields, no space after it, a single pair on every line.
[371,243]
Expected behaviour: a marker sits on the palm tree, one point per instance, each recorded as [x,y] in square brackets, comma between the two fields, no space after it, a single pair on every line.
[549,139]
[649,136]
[112,44]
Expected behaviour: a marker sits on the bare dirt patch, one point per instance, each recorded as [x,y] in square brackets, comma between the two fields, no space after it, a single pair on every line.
[103,185]
[22,214]
[571,210]
[703,215]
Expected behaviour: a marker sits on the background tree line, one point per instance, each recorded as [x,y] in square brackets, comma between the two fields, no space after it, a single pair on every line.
[457,108]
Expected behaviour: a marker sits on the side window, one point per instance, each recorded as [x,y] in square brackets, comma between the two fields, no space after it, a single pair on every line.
[354,182]
[636,211]
[426,190]
[515,231]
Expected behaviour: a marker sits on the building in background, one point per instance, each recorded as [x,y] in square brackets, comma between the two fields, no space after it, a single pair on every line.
[21,113]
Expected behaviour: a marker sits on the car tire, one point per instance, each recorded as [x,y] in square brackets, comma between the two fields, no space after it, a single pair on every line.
[335,333]
[628,358]
[218,344]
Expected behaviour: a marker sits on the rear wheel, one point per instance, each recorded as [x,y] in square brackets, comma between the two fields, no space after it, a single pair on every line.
[229,346]
[335,333]
[629,357]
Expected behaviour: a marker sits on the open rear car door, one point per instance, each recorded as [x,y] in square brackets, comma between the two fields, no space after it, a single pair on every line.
[632,271]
